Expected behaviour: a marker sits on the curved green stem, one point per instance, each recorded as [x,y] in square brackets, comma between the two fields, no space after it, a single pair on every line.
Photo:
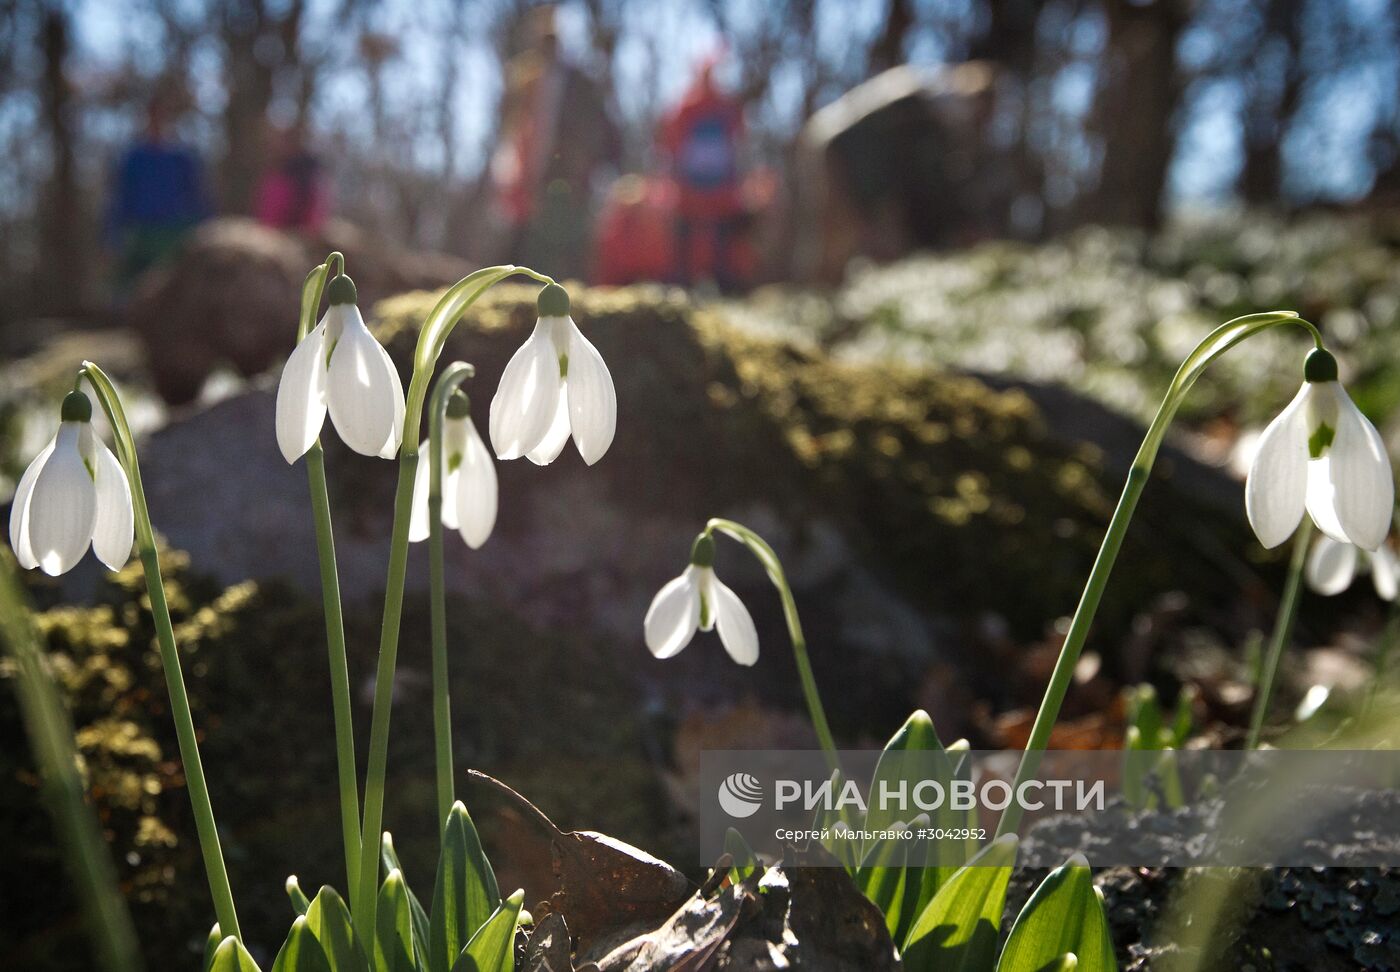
[431,340]
[330,603]
[169,654]
[1283,632]
[760,549]
[1211,347]
[451,379]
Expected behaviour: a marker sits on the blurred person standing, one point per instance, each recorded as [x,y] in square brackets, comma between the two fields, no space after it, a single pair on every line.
[702,138]
[557,137]
[158,193]
[293,193]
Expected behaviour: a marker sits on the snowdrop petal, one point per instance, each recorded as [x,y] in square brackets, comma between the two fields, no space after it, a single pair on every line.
[674,615]
[1276,489]
[476,491]
[592,398]
[391,447]
[1322,500]
[362,388]
[301,396]
[115,527]
[1331,566]
[527,397]
[1362,481]
[736,628]
[1385,572]
[554,440]
[19,509]
[63,506]
[418,518]
[454,444]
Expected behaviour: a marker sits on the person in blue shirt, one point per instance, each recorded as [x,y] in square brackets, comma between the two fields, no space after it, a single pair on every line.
[158,196]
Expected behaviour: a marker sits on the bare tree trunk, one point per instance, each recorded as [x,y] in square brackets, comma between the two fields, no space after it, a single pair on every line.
[250,31]
[1134,114]
[64,270]
[888,51]
[1269,110]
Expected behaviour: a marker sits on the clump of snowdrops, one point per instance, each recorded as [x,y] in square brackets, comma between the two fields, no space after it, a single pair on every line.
[1320,458]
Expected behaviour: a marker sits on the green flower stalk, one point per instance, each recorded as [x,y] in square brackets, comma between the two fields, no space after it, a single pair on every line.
[470,468]
[145,536]
[1215,344]
[1283,633]
[697,600]
[330,596]
[431,340]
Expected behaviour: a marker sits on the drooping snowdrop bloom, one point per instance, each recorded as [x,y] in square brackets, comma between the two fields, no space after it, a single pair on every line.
[340,367]
[469,492]
[73,495]
[555,385]
[698,601]
[1333,565]
[1322,456]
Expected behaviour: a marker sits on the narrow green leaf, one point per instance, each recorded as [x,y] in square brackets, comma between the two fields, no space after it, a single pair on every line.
[882,877]
[393,935]
[329,921]
[957,932]
[231,956]
[835,819]
[389,859]
[1185,715]
[465,893]
[1064,915]
[492,948]
[301,952]
[745,860]
[897,770]
[211,945]
[942,858]
[1145,712]
[300,903]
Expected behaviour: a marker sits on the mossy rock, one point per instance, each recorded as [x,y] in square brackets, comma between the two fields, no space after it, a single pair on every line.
[255,664]
[956,493]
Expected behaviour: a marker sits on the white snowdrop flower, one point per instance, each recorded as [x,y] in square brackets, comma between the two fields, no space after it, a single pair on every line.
[469,492]
[73,495]
[1332,565]
[698,601]
[555,385]
[1322,456]
[340,367]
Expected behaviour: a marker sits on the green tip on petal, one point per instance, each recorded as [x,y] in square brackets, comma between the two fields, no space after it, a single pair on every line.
[458,405]
[702,554]
[341,290]
[76,407]
[1319,365]
[553,301]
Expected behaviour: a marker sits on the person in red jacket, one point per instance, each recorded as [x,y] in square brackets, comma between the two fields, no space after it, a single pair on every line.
[702,138]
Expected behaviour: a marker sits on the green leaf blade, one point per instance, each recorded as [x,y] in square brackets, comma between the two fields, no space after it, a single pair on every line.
[492,948]
[958,930]
[394,949]
[465,894]
[231,956]
[389,859]
[301,952]
[1064,916]
[329,921]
